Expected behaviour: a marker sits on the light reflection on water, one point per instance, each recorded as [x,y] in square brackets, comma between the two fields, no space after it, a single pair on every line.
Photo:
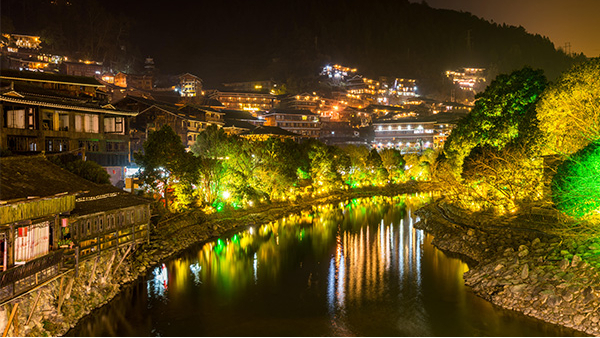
[355,268]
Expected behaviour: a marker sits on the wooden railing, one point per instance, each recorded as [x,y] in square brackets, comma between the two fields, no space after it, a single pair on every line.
[96,243]
[20,279]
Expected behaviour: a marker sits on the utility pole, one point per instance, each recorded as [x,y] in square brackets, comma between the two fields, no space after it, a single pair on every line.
[568,48]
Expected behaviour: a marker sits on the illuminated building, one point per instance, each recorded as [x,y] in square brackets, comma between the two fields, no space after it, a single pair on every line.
[267,86]
[409,135]
[144,82]
[244,100]
[378,111]
[23,41]
[467,78]
[301,122]
[403,88]
[190,85]
[337,73]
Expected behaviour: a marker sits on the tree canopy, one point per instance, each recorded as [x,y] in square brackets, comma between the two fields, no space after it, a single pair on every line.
[576,185]
[569,110]
[502,113]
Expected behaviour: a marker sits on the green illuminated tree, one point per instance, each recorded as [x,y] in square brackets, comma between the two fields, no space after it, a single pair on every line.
[569,110]
[576,185]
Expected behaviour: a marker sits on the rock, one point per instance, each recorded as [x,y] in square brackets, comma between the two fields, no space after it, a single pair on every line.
[517,288]
[525,272]
[564,264]
[567,296]
[576,260]
[524,252]
[553,301]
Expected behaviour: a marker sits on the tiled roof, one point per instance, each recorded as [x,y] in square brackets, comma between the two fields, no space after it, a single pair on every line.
[267,130]
[23,177]
[238,115]
[290,112]
[32,95]
[48,77]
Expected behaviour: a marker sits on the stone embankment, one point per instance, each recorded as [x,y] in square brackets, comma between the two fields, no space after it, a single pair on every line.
[56,307]
[520,269]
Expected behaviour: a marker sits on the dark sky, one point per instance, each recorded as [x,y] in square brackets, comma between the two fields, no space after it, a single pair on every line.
[563,21]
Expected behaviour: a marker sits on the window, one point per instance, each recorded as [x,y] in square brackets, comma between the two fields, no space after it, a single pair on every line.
[63,121]
[32,118]
[90,123]
[22,143]
[78,122]
[47,120]
[114,125]
[89,145]
[113,146]
[14,118]
[56,145]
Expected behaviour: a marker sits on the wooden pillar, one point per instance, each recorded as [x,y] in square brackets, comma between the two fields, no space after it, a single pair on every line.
[92,275]
[37,299]
[123,258]
[10,319]
[77,261]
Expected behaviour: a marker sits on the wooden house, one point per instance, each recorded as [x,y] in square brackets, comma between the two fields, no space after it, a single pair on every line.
[49,216]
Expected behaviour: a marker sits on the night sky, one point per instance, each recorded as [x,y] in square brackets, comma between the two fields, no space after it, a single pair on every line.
[575,21]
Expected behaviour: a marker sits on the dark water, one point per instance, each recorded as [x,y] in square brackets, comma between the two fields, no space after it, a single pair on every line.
[355,269]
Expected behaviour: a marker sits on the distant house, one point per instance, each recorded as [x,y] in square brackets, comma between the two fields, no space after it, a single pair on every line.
[411,135]
[44,208]
[187,120]
[261,133]
[249,101]
[34,120]
[341,133]
[301,122]
[190,85]
[89,68]
[239,121]
[144,82]
[74,86]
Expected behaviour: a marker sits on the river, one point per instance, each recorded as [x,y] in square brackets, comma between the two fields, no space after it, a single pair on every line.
[358,268]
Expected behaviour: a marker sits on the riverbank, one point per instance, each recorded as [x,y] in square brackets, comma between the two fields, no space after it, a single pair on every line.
[520,268]
[58,306]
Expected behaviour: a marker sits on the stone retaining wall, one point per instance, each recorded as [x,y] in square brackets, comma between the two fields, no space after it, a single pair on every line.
[518,268]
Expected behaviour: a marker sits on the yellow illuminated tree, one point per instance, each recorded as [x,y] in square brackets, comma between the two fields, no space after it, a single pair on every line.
[569,109]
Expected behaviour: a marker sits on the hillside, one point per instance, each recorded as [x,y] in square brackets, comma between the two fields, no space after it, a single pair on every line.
[286,40]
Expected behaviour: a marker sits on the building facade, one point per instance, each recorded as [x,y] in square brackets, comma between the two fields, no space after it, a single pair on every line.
[301,122]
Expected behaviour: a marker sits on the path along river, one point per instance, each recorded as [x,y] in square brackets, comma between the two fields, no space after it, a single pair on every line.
[357,268]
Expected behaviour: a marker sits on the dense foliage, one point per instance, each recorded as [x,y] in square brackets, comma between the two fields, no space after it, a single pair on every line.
[227,170]
[503,113]
[576,185]
[569,110]
[89,170]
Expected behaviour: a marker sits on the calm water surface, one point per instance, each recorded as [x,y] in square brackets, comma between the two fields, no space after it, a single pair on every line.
[359,268]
